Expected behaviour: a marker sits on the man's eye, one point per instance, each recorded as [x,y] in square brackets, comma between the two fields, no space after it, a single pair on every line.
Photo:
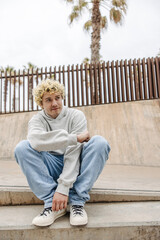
[48,100]
[57,98]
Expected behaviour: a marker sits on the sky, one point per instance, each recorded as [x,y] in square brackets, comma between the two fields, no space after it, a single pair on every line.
[37,31]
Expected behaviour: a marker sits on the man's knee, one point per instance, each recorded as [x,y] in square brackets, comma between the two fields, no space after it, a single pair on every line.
[21,148]
[100,143]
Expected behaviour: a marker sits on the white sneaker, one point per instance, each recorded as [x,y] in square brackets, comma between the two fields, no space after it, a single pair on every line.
[78,215]
[47,217]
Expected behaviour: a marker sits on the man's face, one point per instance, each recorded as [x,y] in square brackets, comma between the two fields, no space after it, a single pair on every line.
[52,104]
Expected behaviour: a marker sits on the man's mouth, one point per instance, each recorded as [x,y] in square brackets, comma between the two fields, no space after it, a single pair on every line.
[55,108]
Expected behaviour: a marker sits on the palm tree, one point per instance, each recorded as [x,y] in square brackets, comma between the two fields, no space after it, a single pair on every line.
[30,68]
[116,8]
[7,71]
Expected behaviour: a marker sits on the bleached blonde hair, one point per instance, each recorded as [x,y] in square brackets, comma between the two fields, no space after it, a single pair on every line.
[47,86]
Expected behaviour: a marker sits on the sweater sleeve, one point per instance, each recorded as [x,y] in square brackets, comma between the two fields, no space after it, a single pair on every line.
[41,140]
[72,156]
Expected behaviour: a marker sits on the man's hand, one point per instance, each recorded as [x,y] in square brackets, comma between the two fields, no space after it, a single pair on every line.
[83,137]
[59,201]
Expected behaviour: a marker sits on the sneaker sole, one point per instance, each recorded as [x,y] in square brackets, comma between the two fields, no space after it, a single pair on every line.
[50,222]
[78,224]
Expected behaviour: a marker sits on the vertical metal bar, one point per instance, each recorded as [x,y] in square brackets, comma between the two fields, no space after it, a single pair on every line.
[144,78]
[32,79]
[100,85]
[41,74]
[122,81]
[55,76]
[23,90]
[104,82]
[37,76]
[59,73]
[136,80]
[73,89]
[113,82]
[1,93]
[131,80]
[91,84]
[45,72]
[19,91]
[126,81]
[118,83]
[86,83]
[140,79]
[50,72]
[82,91]
[96,84]
[14,97]
[5,92]
[63,71]
[10,99]
[154,79]
[158,75]
[109,83]
[68,71]
[149,78]
[28,89]
[77,77]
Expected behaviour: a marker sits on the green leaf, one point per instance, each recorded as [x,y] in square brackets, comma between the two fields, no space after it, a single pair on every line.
[73,16]
[88,25]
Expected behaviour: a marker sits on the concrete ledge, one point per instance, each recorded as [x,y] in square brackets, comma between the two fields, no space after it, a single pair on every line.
[24,196]
[118,221]
[115,184]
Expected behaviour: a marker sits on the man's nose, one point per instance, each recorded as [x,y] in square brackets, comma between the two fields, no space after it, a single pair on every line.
[54,103]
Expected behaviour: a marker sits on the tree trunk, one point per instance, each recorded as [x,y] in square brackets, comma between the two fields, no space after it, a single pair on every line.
[95,36]
[95,47]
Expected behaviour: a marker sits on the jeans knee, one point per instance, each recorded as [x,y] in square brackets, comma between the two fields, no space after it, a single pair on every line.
[100,143]
[21,147]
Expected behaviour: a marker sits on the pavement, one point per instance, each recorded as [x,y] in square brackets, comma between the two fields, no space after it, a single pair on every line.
[118,221]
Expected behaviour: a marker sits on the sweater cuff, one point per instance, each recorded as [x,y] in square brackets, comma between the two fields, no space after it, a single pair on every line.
[63,189]
[72,140]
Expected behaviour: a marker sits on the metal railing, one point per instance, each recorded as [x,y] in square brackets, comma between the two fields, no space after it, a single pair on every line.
[89,84]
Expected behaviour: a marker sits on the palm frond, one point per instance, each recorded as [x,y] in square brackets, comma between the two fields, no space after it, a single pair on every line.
[86,60]
[116,16]
[73,16]
[70,1]
[76,8]
[104,23]
[82,4]
[88,25]
[120,5]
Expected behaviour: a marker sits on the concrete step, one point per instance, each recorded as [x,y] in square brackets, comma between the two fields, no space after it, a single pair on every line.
[107,221]
[116,183]
[24,196]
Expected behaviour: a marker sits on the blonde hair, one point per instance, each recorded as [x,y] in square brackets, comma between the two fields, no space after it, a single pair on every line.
[47,85]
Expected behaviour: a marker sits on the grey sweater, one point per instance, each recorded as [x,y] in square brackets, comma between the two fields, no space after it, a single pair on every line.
[59,136]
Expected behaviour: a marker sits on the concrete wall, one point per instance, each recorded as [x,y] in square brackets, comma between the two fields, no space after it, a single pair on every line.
[132,129]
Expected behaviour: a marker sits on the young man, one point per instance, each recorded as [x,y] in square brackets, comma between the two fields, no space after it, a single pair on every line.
[59,159]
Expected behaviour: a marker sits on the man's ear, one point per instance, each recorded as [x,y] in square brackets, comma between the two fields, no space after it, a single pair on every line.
[41,105]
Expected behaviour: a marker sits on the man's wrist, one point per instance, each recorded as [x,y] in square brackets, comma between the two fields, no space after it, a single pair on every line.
[63,189]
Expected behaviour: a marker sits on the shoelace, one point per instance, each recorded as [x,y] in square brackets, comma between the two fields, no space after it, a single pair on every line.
[77,210]
[45,211]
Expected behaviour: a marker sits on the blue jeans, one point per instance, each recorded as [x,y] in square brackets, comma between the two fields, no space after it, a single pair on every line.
[42,170]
